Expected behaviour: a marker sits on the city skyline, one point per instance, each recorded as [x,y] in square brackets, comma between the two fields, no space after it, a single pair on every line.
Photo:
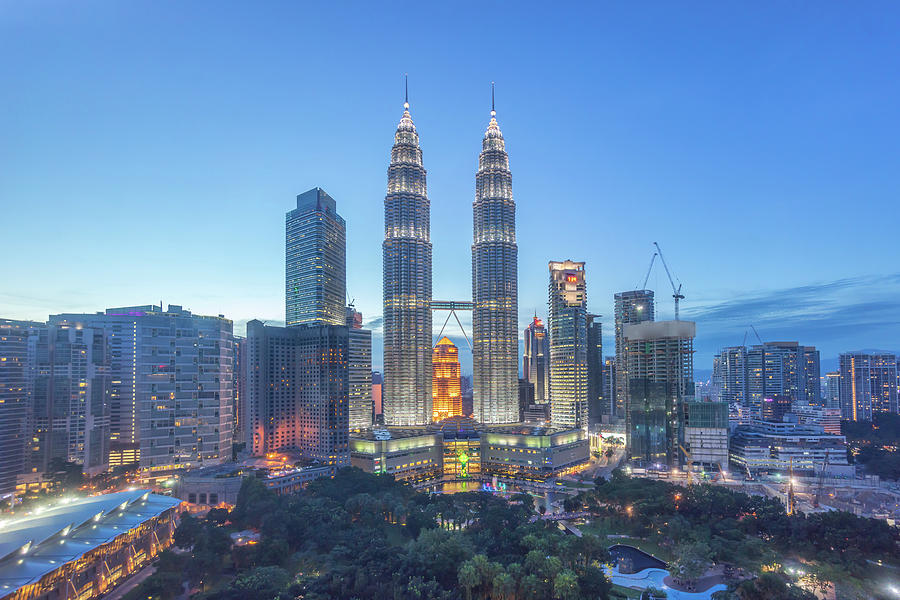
[637,131]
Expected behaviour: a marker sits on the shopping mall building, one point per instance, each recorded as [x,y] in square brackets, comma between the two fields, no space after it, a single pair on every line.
[459,448]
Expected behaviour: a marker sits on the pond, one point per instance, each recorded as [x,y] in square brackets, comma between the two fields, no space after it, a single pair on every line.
[640,560]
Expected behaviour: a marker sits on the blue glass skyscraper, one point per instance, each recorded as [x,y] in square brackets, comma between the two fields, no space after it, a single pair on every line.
[315,262]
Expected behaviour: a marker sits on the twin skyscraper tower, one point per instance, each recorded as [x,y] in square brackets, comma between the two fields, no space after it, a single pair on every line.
[407,254]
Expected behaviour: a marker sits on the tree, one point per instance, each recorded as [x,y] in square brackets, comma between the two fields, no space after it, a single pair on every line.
[594,584]
[163,585]
[504,587]
[691,561]
[468,578]
[187,531]
[565,586]
[261,583]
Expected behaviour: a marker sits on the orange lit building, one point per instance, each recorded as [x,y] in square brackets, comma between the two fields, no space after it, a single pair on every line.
[445,392]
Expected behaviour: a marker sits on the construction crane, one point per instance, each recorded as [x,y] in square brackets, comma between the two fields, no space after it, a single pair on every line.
[724,474]
[676,292]
[792,501]
[690,464]
[821,483]
[647,277]
[756,333]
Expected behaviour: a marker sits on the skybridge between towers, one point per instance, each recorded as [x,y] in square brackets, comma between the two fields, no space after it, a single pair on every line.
[452,306]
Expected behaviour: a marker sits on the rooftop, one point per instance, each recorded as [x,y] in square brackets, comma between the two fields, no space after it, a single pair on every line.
[32,546]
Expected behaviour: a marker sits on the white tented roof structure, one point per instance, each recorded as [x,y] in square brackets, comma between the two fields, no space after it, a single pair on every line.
[32,546]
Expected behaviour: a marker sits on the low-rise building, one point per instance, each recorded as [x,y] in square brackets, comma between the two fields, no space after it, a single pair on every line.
[409,454]
[705,433]
[828,419]
[777,447]
[84,548]
[532,453]
[460,448]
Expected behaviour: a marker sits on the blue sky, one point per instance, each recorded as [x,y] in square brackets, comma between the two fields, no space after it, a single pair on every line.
[149,151]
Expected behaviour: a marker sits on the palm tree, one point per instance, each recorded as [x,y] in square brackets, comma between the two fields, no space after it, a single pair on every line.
[468,578]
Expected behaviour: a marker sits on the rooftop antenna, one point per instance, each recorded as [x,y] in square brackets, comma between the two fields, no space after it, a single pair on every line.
[406,90]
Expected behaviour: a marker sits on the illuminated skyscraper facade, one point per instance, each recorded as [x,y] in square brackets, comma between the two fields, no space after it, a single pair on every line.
[359,372]
[170,384]
[495,344]
[598,405]
[446,384]
[315,261]
[297,394]
[70,382]
[536,360]
[635,306]
[868,385]
[14,398]
[407,283]
[568,345]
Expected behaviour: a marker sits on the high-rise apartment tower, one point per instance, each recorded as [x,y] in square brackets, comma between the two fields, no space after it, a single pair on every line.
[630,307]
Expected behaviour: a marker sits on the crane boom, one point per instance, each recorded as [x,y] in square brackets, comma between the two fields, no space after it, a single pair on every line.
[676,292]
[650,268]
[756,333]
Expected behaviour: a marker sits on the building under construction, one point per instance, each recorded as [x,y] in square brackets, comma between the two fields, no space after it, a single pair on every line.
[660,366]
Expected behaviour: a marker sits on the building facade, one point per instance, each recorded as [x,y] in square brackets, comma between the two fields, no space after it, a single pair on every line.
[170,385]
[598,405]
[868,385]
[660,364]
[297,391]
[609,384]
[86,547]
[445,385]
[315,261]
[240,389]
[635,306]
[568,345]
[730,374]
[832,392]
[460,449]
[407,283]
[495,336]
[784,369]
[536,360]
[70,379]
[359,372]
[705,433]
[781,447]
[14,399]
[748,375]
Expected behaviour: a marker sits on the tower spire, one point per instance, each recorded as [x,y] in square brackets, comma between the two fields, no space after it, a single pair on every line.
[406,90]
[493,111]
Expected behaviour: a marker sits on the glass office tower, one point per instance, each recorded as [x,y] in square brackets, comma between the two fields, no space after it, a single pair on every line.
[568,345]
[495,336]
[407,283]
[315,262]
